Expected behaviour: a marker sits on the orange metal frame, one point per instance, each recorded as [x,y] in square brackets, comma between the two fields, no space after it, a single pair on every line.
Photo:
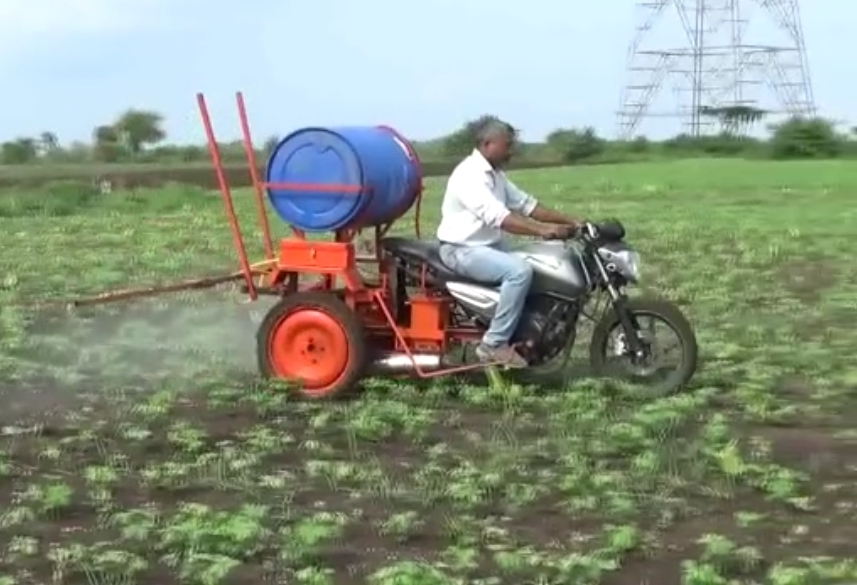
[428,329]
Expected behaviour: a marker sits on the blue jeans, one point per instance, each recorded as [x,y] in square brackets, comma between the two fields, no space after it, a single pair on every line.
[490,264]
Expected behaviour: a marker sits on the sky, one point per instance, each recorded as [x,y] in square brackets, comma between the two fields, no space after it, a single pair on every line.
[69,65]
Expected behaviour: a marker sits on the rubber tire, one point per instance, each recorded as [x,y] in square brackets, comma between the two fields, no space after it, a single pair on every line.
[668,312]
[336,308]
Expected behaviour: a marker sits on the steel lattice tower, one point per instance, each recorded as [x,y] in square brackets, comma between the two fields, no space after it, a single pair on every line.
[727,61]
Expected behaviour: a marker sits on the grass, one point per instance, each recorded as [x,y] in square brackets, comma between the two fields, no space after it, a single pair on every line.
[139,447]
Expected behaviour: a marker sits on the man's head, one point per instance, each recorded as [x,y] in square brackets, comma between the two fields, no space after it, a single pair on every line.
[495,139]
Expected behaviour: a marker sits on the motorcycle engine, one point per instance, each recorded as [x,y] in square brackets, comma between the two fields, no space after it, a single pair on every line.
[547,325]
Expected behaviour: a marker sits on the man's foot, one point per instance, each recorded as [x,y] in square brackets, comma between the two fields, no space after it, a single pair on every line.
[504,354]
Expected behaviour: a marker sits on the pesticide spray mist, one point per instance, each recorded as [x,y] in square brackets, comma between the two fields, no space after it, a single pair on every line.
[178,341]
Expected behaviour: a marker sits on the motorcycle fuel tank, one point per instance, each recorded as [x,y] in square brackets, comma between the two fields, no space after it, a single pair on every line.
[557,268]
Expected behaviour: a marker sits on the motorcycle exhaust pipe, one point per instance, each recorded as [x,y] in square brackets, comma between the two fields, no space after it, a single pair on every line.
[401,363]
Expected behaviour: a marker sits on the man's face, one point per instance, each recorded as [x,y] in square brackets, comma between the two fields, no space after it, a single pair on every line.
[499,150]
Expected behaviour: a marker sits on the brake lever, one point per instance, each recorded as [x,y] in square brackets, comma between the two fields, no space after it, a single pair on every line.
[591,230]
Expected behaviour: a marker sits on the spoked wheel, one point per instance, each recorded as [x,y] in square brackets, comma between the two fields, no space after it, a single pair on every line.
[315,340]
[670,350]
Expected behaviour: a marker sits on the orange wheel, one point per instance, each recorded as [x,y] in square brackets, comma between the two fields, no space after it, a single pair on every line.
[314,339]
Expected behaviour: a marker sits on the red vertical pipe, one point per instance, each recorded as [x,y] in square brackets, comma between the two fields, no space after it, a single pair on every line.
[217,161]
[250,152]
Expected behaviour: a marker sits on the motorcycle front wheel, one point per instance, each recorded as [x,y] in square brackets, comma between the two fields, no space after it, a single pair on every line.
[610,355]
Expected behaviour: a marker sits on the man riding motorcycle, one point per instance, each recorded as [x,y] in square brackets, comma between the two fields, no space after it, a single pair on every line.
[480,203]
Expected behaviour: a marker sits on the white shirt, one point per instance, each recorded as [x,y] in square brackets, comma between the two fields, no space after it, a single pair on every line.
[477,200]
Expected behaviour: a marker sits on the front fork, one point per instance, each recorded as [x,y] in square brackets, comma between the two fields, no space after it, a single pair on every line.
[630,326]
[619,301]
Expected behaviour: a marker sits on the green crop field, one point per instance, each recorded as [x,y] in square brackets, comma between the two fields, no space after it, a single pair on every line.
[138,445]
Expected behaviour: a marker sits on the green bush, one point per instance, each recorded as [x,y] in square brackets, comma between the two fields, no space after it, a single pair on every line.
[56,199]
[574,146]
[67,198]
[167,199]
[802,138]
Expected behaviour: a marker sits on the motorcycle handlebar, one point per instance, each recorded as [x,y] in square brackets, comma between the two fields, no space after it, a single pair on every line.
[583,230]
[588,230]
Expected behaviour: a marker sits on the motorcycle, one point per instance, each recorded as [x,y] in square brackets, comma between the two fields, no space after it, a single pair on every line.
[571,279]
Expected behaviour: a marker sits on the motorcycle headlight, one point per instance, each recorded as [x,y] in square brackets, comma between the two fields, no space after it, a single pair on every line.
[626,262]
[631,261]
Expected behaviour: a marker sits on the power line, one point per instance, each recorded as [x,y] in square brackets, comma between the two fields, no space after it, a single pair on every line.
[719,67]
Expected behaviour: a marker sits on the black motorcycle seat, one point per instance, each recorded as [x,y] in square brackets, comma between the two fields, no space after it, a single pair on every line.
[425,252]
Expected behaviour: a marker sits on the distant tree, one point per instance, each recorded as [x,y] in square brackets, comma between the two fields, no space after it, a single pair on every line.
[77,151]
[48,142]
[105,134]
[138,128]
[723,144]
[801,137]
[192,153]
[233,152]
[573,145]
[430,149]
[270,145]
[683,142]
[639,145]
[108,147]
[19,151]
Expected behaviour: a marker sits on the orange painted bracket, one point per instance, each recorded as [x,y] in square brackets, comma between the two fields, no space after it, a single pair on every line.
[297,255]
[429,316]
[401,339]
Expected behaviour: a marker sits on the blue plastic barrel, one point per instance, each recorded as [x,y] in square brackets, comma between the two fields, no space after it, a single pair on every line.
[342,178]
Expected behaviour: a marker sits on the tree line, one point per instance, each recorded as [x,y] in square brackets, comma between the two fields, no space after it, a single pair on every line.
[138,136]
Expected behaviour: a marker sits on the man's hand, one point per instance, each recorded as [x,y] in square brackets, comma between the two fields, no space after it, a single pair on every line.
[548,215]
[524,226]
[557,231]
